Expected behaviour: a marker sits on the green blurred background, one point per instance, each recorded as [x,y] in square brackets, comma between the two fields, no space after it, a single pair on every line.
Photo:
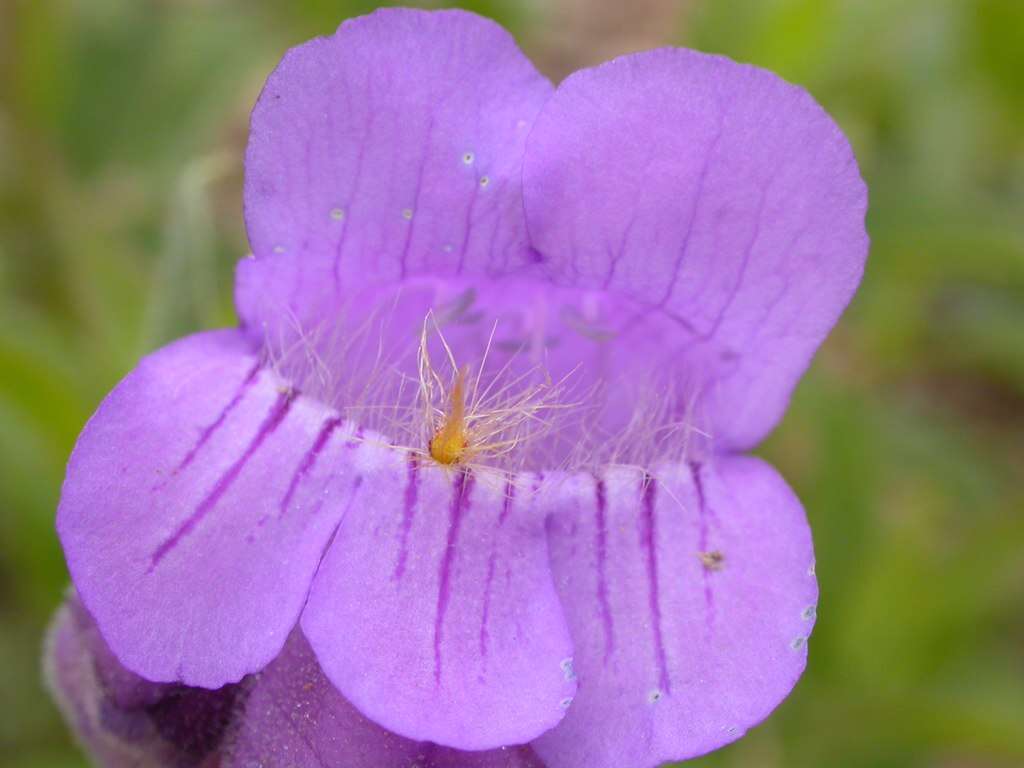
[122,127]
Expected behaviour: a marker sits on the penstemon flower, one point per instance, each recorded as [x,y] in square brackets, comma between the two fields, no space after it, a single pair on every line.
[475,452]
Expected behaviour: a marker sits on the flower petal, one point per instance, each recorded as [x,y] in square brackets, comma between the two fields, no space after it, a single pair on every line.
[196,507]
[720,198]
[690,598]
[434,612]
[295,717]
[393,147]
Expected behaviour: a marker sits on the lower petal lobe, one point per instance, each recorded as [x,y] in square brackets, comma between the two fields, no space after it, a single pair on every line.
[197,505]
[434,611]
[690,594]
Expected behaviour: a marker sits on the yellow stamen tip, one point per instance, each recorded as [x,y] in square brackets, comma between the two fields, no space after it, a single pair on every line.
[448,446]
[447,450]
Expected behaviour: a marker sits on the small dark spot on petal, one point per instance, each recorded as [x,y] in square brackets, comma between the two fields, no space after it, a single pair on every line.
[712,561]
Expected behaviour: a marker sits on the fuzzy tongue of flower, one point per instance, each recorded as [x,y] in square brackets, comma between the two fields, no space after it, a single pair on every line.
[450,442]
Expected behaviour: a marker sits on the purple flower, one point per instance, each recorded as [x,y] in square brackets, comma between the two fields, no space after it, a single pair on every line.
[480,432]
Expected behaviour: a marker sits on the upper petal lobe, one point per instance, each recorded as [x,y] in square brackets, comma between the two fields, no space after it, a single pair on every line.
[722,200]
[391,148]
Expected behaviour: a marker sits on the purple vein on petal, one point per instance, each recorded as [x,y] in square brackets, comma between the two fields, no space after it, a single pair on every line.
[356,485]
[702,543]
[506,509]
[321,498]
[741,272]
[306,465]
[484,635]
[698,197]
[273,419]
[209,430]
[460,504]
[412,487]
[649,541]
[467,227]
[601,547]
[404,256]
[339,248]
